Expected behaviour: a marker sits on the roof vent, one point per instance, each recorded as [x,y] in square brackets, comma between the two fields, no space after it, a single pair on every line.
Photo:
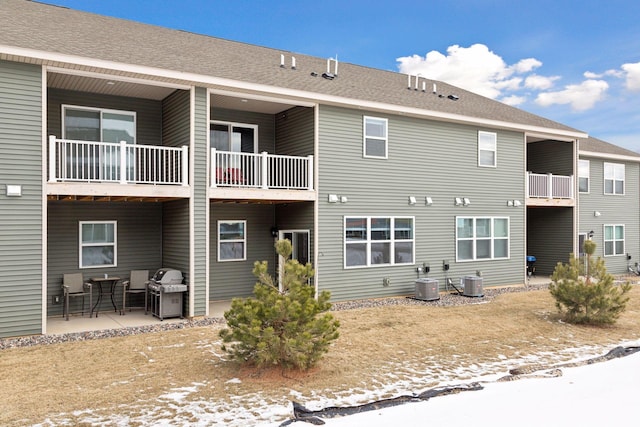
[453,97]
[329,76]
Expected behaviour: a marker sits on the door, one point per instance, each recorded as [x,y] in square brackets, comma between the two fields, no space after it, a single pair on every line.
[299,248]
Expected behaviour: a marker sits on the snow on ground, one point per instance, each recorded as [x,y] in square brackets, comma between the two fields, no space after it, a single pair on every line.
[600,394]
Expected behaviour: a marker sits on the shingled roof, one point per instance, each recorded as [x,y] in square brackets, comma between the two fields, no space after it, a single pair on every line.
[39,28]
[591,146]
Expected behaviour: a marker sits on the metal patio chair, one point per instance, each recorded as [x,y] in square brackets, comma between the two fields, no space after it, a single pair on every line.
[73,286]
[136,285]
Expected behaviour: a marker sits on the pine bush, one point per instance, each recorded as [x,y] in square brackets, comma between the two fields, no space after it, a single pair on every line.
[585,293]
[285,327]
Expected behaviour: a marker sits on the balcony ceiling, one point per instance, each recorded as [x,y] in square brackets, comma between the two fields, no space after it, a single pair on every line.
[107,86]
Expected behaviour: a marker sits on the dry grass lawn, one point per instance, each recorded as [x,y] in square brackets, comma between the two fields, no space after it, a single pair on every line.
[416,344]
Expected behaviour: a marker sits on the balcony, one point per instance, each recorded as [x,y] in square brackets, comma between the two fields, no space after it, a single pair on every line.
[545,188]
[88,167]
[261,176]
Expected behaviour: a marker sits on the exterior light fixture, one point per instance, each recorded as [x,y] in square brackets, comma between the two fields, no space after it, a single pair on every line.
[333,198]
[517,203]
[14,190]
[466,201]
[458,201]
[428,201]
[412,200]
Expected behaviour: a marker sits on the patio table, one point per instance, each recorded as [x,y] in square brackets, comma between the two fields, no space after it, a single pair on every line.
[106,286]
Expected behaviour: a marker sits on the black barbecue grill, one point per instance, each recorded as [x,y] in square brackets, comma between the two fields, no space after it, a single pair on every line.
[166,293]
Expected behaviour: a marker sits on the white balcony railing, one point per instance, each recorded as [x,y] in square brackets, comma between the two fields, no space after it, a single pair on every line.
[549,186]
[265,171]
[120,163]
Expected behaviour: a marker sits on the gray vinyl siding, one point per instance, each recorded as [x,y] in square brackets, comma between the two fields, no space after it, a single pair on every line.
[232,279]
[176,119]
[265,122]
[425,158]
[614,210]
[550,231]
[550,157]
[175,236]
[139,244]
[148,112]
[200,202]
[21,217]
[295,132]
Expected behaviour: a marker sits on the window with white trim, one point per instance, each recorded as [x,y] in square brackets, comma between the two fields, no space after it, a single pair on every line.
[98,244]
[375,137]
[98,124]
[583,176]
[234,137]
[613,178]
[613,240]
[232,240]
[480,238]
[373,241]
[487,149]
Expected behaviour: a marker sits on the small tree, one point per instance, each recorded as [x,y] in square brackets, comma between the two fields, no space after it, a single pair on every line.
[585,292]
[284,327]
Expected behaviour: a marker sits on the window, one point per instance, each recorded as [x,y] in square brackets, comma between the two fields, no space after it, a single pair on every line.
[375,137]
[234,137]
[98,244]
[95,124]
[583,176]
[487,149]
[372,241]
[613,240]
[482,238]
[613,178]
[98,125]
[232,240]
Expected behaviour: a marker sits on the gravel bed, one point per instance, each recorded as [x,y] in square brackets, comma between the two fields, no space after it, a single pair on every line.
[446,299]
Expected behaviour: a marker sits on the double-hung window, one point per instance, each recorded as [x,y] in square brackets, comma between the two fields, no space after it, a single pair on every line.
[375,137]
[232,240]
[613,240]
[613,178]
[98,244]
[583,176]
[372,241]
[479,238]
[487,149]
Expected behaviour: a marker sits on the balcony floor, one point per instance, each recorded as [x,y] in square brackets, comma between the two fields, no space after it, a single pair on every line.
[111,320]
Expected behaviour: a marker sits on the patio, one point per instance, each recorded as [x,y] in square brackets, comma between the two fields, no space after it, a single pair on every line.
[112,320]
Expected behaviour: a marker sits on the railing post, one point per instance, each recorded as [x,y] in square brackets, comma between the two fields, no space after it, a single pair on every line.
[52,159]
[214,168]
[527,184]
[264,173]
[310,173]
[571,187]
[123,162]
[185,165]
[550,186]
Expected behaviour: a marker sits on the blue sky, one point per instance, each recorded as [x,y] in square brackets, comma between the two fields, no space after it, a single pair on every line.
[574,62]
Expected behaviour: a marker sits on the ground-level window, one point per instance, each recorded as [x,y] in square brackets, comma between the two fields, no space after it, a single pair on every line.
[583,176]
[613,240]
[374,241]
[613,178]
[375,137]
[480,238]
[98,244]
[232,240]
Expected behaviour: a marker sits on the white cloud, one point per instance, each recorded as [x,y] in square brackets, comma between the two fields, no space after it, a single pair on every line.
[537,82]
[475,68]
[632,74]
[513,100]
[581,97]
[613,73]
